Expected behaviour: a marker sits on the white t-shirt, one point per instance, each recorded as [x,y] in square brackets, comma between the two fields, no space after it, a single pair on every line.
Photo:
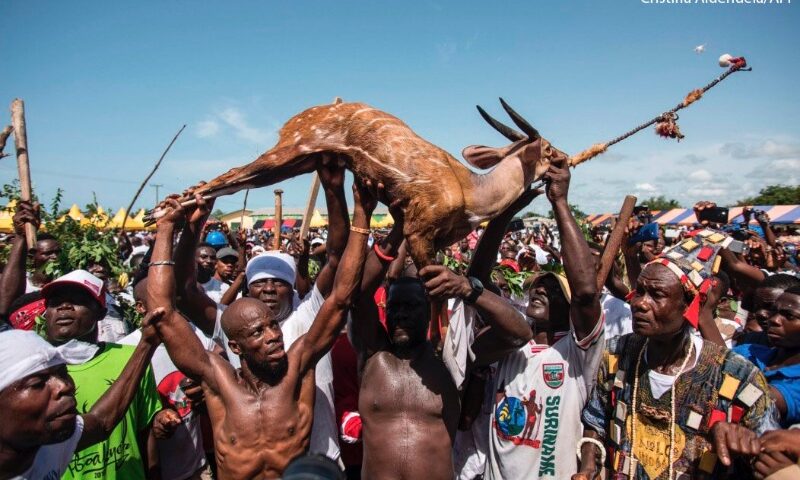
[619,319]
[324,432]
[660,383]
[215,289]
[540,392]
[112,328]
[51,461]
[182,454]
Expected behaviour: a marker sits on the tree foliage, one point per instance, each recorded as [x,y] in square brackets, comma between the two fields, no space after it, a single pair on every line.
[661,203]
[774,195]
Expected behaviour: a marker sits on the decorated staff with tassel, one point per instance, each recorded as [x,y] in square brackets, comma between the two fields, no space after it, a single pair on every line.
[668,403]
[442,200]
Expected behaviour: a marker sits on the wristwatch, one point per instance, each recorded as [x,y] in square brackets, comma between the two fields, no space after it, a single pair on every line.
[477,289]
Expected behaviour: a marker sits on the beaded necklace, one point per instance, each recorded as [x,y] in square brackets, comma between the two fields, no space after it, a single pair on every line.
[631,466]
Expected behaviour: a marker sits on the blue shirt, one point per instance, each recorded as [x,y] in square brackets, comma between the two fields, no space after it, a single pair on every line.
[784,380]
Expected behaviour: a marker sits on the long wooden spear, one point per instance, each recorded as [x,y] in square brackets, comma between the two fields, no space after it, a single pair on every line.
[147,179]
[23,163]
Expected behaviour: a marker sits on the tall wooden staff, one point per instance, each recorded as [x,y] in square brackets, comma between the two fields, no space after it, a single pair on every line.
[278,218]
[23,165]
[312,200]
[244,207]
[615,240]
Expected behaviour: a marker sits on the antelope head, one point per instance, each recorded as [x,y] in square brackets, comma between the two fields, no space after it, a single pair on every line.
[528,146]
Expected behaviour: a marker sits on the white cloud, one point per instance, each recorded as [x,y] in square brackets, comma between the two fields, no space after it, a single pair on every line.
[235,119]
[700,176]
[646,187]
[207,128]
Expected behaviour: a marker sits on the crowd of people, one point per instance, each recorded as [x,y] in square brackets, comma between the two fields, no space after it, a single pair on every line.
[335,356]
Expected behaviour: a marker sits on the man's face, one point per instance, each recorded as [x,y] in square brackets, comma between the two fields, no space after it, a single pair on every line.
[39,409]
[71,312]
[546,302]
[407,314]
[276,294]
[649,251]
[225,267]
[784,323]
[256,337]
[763,305]
[658,303]
[98,270]
[206,258]
[46,250]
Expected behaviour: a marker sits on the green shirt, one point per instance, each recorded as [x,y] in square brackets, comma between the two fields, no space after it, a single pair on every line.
[119,455]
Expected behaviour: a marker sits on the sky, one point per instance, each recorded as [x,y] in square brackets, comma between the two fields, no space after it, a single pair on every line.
[107,84]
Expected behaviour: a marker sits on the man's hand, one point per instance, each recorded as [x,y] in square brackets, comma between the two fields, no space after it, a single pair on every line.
[149,332]
[194,392]
[787,441]
[298,247]
[165,423]
[699,207]
[202,208]
[364,196]
[176,214]
[729,438]
[770,462]
[331,171]
[557,179]
[26,213]
[441,282]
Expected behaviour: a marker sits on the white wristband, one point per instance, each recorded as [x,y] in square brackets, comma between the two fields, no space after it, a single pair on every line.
[597,443]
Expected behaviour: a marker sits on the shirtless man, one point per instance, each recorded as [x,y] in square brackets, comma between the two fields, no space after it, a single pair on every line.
[409,403]
[262,413]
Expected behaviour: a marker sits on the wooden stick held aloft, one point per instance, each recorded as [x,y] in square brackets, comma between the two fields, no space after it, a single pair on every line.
[615,241]
[23,163]
[278,217]
[3,138]
[312,201]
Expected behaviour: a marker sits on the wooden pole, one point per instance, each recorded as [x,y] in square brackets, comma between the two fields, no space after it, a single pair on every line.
[615,241]
[244,207]
[278,218]
[312,201]
[147,179]
[23,163]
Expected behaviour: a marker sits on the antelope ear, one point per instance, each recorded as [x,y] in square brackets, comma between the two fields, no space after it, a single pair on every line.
[483,157]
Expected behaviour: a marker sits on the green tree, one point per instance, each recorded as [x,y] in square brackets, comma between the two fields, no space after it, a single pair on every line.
[218,214]
[661,203]
[774,195]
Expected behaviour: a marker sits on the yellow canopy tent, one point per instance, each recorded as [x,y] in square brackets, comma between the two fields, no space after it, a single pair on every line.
[386,221]
[98,219]
[74,213]
[116,222]
[6,225]
[317,220]
[374,222]
[135,222]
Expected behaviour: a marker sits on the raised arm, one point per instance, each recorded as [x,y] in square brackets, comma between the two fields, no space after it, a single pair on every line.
[507,331]
[577,259]
[331,177]
[193,301]
[109,409]
[12,283]
[333,313]
[182,344]
[486,251]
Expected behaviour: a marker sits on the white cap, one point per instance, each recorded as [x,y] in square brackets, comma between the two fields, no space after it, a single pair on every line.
[272,264]
[317,241]
[80,278]
[24,353]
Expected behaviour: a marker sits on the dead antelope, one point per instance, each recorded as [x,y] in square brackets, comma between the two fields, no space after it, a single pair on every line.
[442,199]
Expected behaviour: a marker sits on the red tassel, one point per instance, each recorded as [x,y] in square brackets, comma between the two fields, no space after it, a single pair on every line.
[668,128]
[692,312]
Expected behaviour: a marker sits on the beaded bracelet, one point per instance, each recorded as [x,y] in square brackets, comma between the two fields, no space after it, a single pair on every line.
[597,443]
[365,231]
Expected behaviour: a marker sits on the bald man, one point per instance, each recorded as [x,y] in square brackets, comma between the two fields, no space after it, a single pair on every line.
[261,413]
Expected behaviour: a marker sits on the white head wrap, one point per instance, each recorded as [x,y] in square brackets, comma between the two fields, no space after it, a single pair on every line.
[24,353]
[271,264]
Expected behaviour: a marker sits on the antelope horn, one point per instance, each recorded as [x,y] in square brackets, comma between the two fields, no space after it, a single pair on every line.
[504,130]
[526,127]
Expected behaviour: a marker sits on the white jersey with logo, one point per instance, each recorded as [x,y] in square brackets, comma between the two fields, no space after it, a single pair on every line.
[540,392]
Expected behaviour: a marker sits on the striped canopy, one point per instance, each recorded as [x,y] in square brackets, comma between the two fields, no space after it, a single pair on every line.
[778,214]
